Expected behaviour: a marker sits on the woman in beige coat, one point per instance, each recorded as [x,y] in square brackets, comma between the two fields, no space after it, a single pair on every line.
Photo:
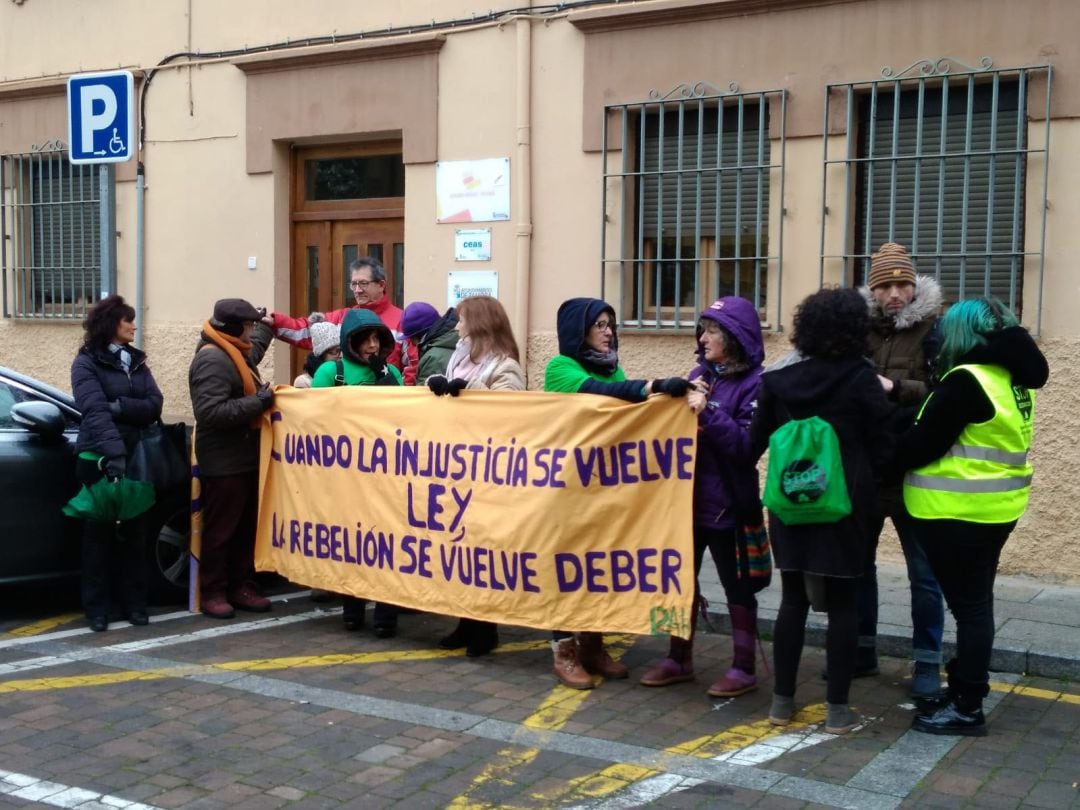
[486,358]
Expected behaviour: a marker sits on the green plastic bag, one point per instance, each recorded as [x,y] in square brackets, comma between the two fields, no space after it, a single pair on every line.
[805,478]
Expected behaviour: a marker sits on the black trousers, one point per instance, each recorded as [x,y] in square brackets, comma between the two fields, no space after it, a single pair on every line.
[113,559]
[840,638]
[964,557]
[721,544]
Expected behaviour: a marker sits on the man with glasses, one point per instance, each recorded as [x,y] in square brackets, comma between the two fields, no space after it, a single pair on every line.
[367,280]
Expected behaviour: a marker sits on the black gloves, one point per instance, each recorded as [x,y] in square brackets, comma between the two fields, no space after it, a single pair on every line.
[441,386]
[266,396]
[386,379]
[672,386]
[114,468]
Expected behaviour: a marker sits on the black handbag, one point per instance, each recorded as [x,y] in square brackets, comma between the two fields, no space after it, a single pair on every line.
[160,456]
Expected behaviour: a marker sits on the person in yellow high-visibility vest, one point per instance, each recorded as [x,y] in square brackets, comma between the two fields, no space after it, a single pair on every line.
[967,483]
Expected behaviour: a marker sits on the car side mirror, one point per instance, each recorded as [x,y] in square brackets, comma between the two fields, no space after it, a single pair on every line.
[42,418]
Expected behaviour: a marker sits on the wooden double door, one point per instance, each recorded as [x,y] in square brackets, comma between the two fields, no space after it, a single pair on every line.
[336,218]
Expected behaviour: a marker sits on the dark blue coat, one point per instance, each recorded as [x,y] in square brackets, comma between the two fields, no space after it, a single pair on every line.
[726,491]
[98,379]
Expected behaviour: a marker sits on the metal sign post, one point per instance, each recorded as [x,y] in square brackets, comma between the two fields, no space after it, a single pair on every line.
[101,130]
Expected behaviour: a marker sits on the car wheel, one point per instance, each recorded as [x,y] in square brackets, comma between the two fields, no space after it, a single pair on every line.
[168,553]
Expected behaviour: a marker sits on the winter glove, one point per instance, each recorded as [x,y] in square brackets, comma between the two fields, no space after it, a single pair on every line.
[438,385]
[266,396]
[386,379]
[672,386]
[114,408]
[114,468]
[456,386]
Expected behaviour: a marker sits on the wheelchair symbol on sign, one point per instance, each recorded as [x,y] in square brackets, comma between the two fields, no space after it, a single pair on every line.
[116,145]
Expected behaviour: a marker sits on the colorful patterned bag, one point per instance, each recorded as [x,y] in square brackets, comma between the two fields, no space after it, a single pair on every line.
[754,556]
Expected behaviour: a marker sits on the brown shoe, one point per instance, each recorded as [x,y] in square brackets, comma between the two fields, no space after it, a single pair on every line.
[595,659]
[567,668]
[246,598]
[217,607]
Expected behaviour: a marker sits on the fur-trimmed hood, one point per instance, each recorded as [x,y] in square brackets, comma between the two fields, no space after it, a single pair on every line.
[925,304]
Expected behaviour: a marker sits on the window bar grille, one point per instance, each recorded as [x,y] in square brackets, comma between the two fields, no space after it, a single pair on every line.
[718,205]
[639,275]
[965,207]
[893,164]
[669,175]
[676,270]
[916,201]
[781,215]
[978,244]
[991,177]
[943,146]
[759,198]
[700,167]
[1018,175]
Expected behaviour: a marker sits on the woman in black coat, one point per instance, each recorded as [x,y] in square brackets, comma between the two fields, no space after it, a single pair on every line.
[827,376]
[117,395]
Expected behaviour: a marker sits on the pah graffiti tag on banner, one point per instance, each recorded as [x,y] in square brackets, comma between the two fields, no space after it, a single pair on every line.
[536,509]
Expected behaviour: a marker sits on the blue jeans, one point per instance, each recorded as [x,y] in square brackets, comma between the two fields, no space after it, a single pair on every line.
[927,605]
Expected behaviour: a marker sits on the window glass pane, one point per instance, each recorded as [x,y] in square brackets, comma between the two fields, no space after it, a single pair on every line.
[376,252]
[354,178]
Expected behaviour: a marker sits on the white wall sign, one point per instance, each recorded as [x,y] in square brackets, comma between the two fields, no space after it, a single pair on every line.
[473,245]
[472,190]
[466,283]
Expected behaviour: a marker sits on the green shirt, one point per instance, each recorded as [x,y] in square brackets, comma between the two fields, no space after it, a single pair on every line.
[565,375]
[355,374]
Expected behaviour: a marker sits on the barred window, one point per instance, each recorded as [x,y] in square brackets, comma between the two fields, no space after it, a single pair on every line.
[687,188]
[942,163]
[49,215]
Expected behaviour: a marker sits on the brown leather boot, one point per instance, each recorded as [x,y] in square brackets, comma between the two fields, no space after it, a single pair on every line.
[595,658]
[567,668]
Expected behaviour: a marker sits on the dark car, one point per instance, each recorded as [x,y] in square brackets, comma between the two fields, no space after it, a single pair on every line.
[38,428]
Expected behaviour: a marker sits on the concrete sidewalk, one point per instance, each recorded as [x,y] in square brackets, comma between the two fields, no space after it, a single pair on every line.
[1038,625]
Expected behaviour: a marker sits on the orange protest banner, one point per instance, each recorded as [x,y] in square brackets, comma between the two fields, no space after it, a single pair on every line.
[528,508]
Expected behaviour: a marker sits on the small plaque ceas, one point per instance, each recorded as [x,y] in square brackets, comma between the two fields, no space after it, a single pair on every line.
[472,245]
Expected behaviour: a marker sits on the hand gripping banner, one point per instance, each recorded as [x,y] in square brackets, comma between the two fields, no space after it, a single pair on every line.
[554,511]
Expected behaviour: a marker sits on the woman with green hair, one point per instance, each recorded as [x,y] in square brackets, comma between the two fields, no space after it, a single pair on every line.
[968,483]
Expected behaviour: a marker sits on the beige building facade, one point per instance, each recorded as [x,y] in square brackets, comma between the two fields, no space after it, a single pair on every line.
[660,152]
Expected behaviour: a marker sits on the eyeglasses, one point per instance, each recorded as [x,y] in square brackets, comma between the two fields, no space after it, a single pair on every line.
[603,326]
[362,284]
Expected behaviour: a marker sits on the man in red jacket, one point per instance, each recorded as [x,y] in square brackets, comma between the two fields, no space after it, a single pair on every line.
[367,280]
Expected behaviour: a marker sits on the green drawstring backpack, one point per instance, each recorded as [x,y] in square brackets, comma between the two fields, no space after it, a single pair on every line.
[805,478]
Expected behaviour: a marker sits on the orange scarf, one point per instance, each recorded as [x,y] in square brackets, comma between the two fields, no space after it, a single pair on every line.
[237,350]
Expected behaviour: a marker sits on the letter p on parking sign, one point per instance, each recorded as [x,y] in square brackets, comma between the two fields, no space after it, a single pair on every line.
[101,117]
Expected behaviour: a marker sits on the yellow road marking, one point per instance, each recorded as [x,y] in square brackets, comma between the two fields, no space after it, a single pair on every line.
[76,681]
[618,777]
[1031,691]
[43,626]
[552,714]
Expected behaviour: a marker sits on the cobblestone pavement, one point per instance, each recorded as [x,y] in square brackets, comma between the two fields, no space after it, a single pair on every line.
[288,710]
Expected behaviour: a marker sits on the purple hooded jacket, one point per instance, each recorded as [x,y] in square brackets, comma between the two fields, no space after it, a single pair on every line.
[726,493]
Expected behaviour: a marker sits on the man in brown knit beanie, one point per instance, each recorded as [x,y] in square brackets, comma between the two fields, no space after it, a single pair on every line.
[903,344]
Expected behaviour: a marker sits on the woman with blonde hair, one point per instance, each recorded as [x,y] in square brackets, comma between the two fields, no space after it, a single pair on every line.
[486,358]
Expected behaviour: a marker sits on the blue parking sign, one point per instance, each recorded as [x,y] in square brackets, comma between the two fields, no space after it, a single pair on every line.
[101,117]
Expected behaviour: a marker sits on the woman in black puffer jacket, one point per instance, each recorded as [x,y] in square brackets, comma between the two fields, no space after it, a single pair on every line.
[117,395]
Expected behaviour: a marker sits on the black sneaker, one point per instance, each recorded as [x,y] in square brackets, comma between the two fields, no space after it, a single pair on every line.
[385,631]
[951,720]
